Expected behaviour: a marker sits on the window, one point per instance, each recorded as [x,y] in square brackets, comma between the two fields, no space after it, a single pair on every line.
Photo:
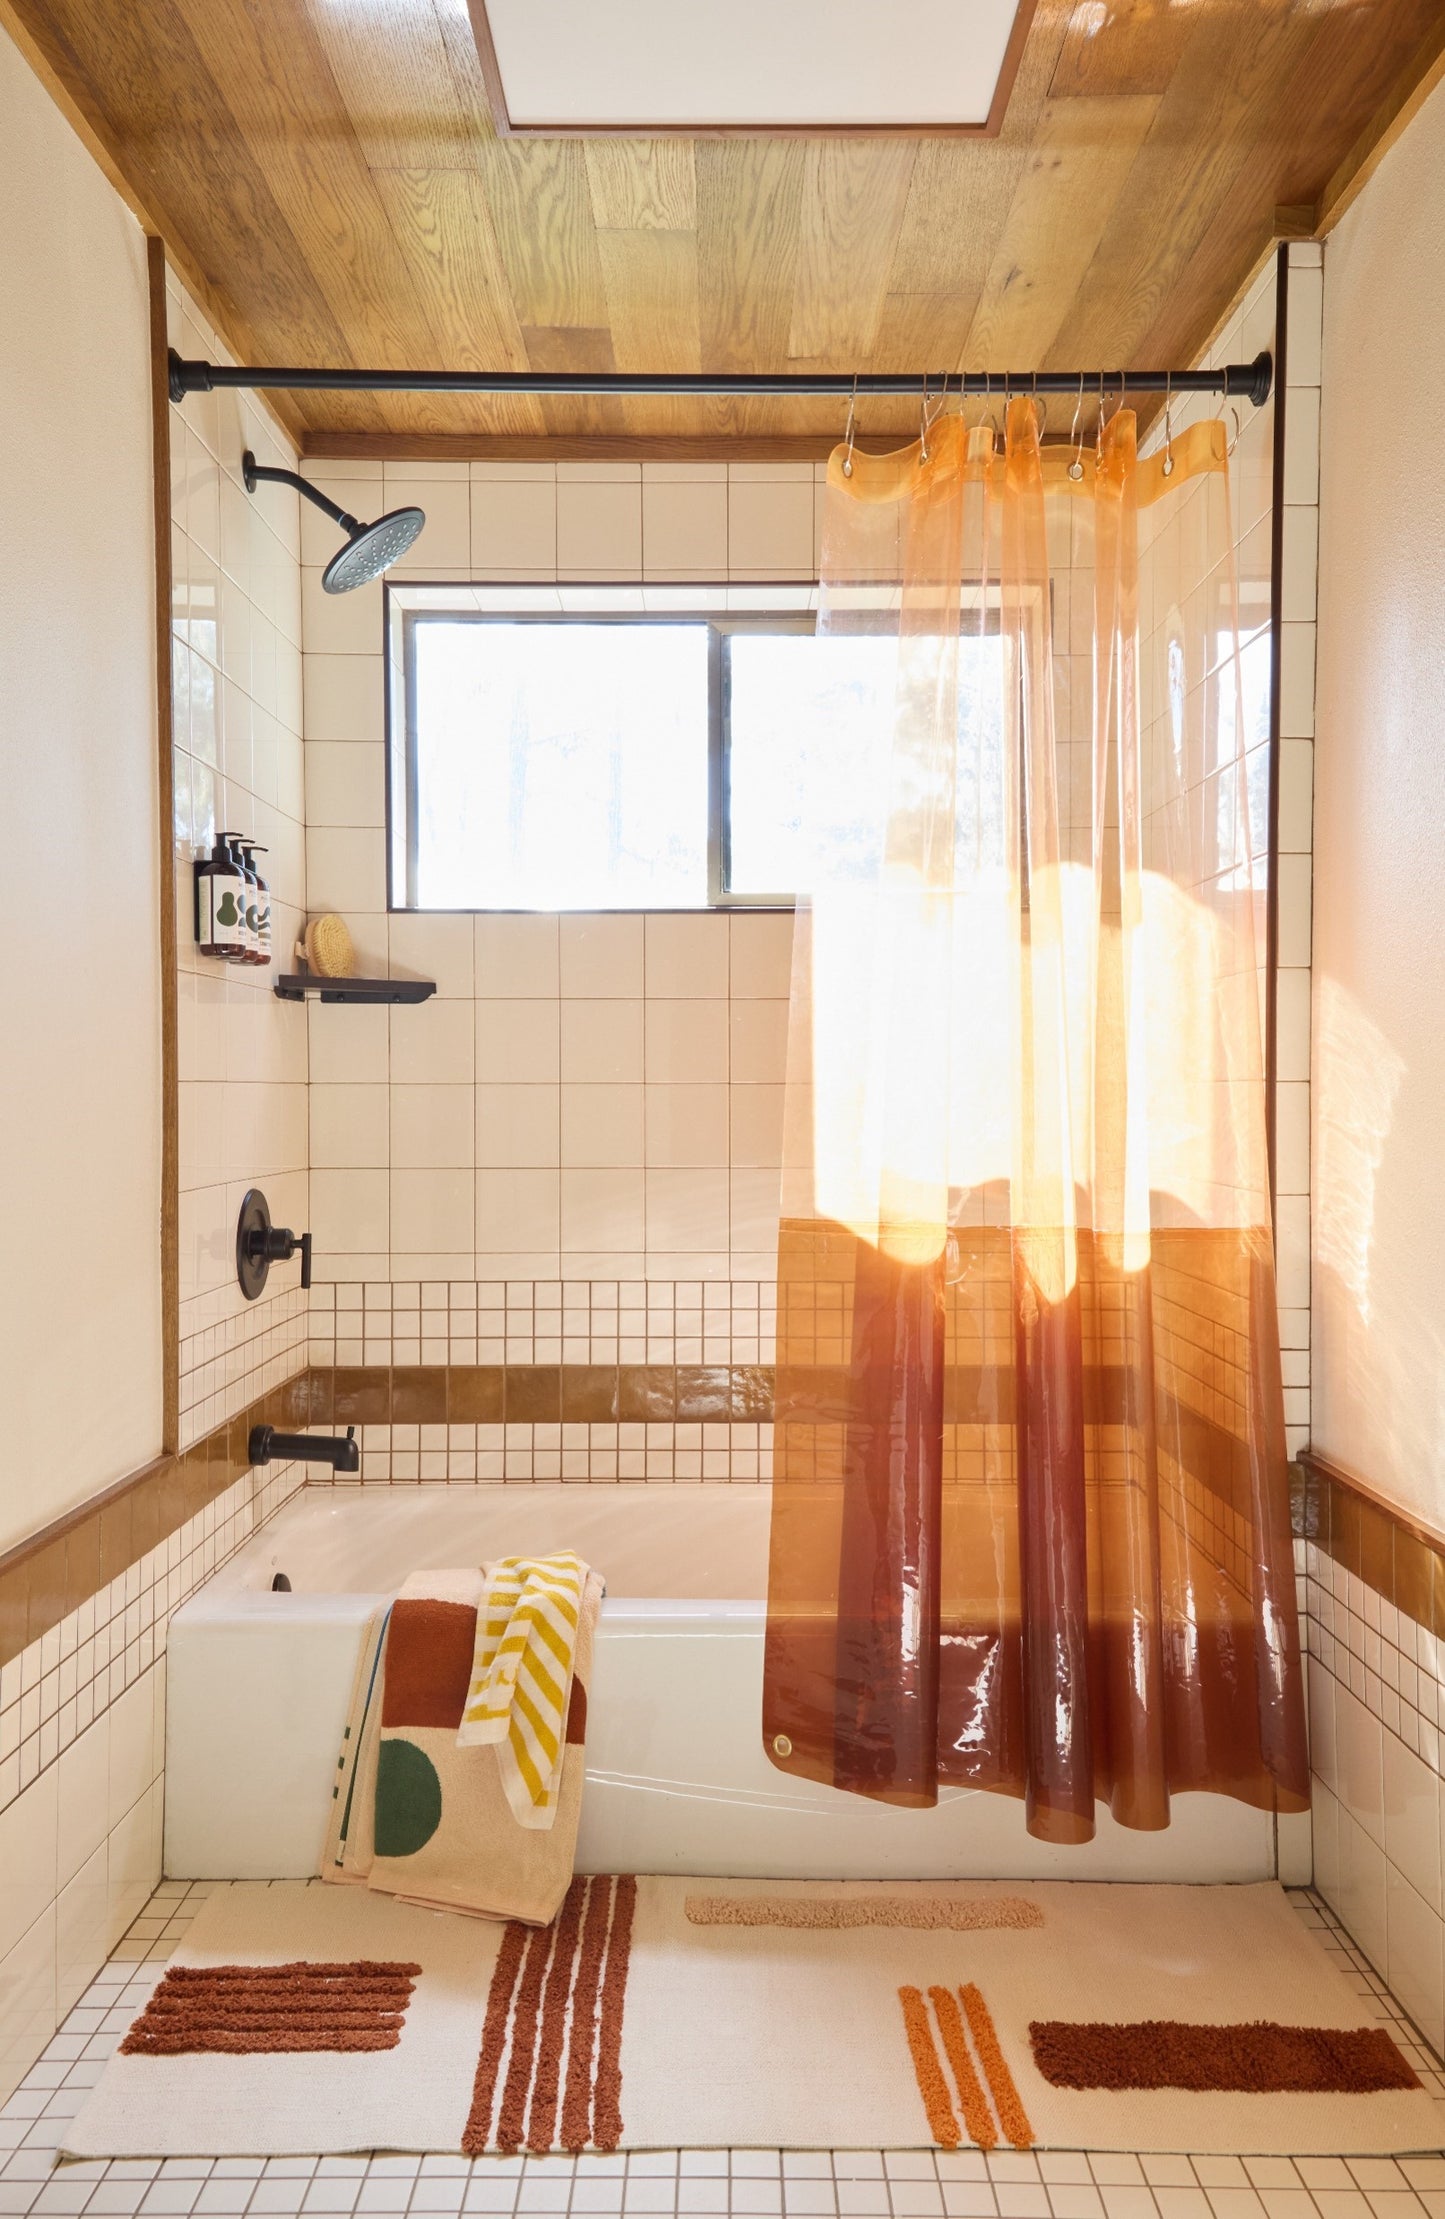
[598,760]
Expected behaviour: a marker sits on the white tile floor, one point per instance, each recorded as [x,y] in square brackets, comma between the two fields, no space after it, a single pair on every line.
[668,2184]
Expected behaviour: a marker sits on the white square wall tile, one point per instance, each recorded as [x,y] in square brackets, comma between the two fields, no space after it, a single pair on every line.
[518,1042]
[770,525]
[1415,1956]
[345,785]
[599,526]
[514,524]
[756,1120]
[753,1208]
[687,1042]
[133,1758]
[687,1125]
[602,1210]
[518,1212]
[761,954]
[344,698]
[602,1126]
[432,1128]
[517,958]
[347,1046]
[432,1210]
[1296,796]
[1412,1819]
[350,1212]
[687,1210]
[1295,898]
[433,1043]
[758,1036]
[684,527]
[133,1864]
[345,869]
[687,956]
[83,1788]
[339,623]
[1359,1751]
[517,1126]
[445,543]
[80,1929]
[28,2008]
[27,1859]
[601,956]
[1297,680]
[423,944]
[602,1042]
[1299,565]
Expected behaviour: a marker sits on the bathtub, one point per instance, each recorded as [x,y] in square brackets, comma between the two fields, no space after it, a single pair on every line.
[676,1781]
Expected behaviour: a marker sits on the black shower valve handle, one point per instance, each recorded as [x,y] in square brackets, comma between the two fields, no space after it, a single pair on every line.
[278,1244]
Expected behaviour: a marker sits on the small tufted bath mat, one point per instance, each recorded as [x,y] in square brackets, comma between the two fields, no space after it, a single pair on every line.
[661,2013]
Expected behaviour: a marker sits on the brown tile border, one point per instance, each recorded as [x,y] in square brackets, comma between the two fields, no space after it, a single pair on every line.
[1399,1556]
[543,1394]
[43,1579]
[46,1577]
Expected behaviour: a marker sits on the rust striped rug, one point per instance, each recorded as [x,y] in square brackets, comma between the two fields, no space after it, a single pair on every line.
[663,2013]
[246,2010]
[550,2075]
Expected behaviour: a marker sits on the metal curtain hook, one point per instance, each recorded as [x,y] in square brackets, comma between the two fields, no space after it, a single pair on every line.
[923,422]
[848,428]
[1168,426]
[1229,450]
[1076,437]
[1041,409]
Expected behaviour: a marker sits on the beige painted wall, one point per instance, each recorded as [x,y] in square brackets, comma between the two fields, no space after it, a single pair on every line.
[1379,839]
[80,1327]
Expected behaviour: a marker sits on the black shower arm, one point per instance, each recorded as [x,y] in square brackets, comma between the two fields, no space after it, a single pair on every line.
[256,473]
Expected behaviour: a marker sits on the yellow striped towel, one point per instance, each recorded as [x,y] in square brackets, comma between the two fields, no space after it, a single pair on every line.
[522,1676]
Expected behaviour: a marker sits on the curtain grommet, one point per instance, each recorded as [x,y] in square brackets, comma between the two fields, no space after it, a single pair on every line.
[782,1746]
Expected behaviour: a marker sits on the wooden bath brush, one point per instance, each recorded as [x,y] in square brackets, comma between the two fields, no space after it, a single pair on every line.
[325,948]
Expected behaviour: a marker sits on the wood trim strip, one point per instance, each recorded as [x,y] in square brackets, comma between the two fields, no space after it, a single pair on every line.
[1398,1555]
[1279,398]
[165,785]
[989,129]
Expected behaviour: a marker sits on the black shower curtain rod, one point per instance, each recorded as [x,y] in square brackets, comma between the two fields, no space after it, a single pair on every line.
[1244,380]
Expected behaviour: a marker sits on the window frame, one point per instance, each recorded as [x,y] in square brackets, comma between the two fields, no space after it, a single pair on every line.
[722,624]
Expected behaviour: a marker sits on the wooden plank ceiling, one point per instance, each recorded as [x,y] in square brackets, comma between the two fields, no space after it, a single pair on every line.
[330,170]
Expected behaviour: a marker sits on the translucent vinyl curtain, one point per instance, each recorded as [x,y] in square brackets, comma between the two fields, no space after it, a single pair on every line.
[1030,1525]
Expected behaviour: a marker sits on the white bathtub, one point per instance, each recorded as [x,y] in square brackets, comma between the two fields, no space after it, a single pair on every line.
[676,1776]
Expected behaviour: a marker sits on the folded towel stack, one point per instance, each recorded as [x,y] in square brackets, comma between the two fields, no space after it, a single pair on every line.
[499,1657]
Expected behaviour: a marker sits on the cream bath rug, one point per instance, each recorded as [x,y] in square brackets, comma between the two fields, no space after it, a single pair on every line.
[660,2013]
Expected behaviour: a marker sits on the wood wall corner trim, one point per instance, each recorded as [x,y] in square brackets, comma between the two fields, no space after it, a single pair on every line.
[1319,1466]
[165,792]
[1412,88]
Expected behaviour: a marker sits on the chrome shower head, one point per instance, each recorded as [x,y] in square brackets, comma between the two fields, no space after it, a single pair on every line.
[370,548]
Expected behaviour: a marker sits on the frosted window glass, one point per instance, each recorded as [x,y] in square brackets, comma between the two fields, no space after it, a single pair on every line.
[561,766]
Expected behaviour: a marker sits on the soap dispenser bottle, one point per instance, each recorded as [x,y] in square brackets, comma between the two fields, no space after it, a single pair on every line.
[258,913]
[221,891]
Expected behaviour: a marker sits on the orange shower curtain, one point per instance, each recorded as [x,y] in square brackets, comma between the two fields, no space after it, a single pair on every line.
[1030,1524]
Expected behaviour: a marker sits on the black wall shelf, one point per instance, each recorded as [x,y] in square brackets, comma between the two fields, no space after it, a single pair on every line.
[294,986]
